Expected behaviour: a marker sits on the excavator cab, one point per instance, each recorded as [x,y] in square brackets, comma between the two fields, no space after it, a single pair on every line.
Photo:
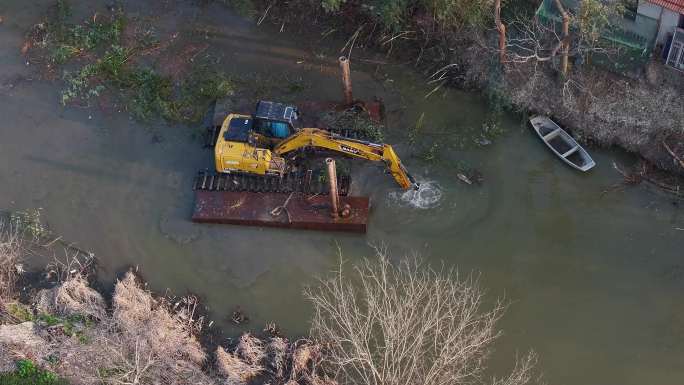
[239,149]
[275,121]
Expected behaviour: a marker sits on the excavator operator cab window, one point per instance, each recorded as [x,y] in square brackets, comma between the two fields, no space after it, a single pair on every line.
[238,130]
[273,129]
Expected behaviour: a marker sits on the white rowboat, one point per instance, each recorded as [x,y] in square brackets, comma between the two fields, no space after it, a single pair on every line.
[562,144]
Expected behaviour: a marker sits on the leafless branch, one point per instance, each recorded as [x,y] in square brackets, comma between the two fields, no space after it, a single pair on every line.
[405,324]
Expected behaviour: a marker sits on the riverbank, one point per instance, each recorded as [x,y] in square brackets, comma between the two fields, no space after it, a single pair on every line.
[641,114]
[55,327]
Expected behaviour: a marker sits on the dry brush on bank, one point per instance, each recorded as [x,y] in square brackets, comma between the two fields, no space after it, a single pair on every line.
[389,324]
[141,339]
[10,263]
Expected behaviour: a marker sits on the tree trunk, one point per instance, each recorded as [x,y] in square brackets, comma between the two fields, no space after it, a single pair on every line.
[565,39]
[502,31]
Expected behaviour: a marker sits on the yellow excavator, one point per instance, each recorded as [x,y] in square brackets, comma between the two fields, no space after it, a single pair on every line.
[257,152]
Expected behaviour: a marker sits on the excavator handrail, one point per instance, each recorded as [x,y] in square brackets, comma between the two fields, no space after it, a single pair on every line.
[317,138]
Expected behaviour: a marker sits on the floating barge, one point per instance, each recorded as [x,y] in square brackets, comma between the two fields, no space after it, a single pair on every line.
[294,211]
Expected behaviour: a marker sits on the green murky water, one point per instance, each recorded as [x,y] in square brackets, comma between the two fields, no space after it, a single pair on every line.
[594,280]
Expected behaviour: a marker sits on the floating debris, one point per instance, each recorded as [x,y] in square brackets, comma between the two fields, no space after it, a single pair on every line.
[471,176]
[239,317]
[464,178]
[272,329]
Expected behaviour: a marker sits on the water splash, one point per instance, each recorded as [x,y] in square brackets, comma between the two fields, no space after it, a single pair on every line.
[428,196]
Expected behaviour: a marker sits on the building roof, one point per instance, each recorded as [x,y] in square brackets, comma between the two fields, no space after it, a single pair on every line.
[673,5]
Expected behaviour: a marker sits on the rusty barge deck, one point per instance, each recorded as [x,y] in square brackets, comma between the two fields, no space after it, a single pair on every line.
[261,209]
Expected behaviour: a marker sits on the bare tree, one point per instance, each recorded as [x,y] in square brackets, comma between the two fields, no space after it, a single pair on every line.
[532,39]
[407,324]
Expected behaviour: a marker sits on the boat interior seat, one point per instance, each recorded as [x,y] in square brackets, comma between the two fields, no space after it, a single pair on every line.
[570,152]
[552,134]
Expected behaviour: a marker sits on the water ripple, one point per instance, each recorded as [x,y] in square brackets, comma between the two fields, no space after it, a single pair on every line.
[428,196]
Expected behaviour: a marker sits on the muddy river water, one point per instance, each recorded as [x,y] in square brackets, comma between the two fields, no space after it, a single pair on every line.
[595,280]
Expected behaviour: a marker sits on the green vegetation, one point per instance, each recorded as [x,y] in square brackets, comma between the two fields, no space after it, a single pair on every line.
[243,7]
[353,123]
[28,373]
[396,15]
[106,64]
[145,92]
[19,311]
[73,325]
[29,222]
[594,19]
[67,40]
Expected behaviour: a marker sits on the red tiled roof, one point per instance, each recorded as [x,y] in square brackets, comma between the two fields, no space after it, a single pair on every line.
[673,5]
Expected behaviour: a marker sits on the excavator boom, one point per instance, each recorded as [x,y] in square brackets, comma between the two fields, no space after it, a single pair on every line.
[321,139]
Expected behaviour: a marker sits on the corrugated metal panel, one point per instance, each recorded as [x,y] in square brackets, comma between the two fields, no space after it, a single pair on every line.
[673,5]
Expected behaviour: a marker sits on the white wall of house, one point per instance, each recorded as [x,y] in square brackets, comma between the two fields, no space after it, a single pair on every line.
[668,19]
[648,9]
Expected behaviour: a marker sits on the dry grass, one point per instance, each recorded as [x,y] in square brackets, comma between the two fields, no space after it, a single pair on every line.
[141,318]
[278,351]
[250,349]
[305,358]
[74,296]
[275,361]
[10,263]
[317,380]
[235,370]
[143,342]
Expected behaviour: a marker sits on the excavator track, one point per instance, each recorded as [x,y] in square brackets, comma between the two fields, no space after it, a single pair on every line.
[288,183]
[211,136]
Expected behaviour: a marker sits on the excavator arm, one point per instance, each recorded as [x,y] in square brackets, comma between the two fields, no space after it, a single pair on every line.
[321,139]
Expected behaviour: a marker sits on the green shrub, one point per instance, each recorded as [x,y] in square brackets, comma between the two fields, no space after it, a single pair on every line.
[242,7]
[79,84]
[151,93]
[28,373]
[49,319]
[456,13]
[20,312]
[69,40]
[332,5]
[113,64]
[395,14]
